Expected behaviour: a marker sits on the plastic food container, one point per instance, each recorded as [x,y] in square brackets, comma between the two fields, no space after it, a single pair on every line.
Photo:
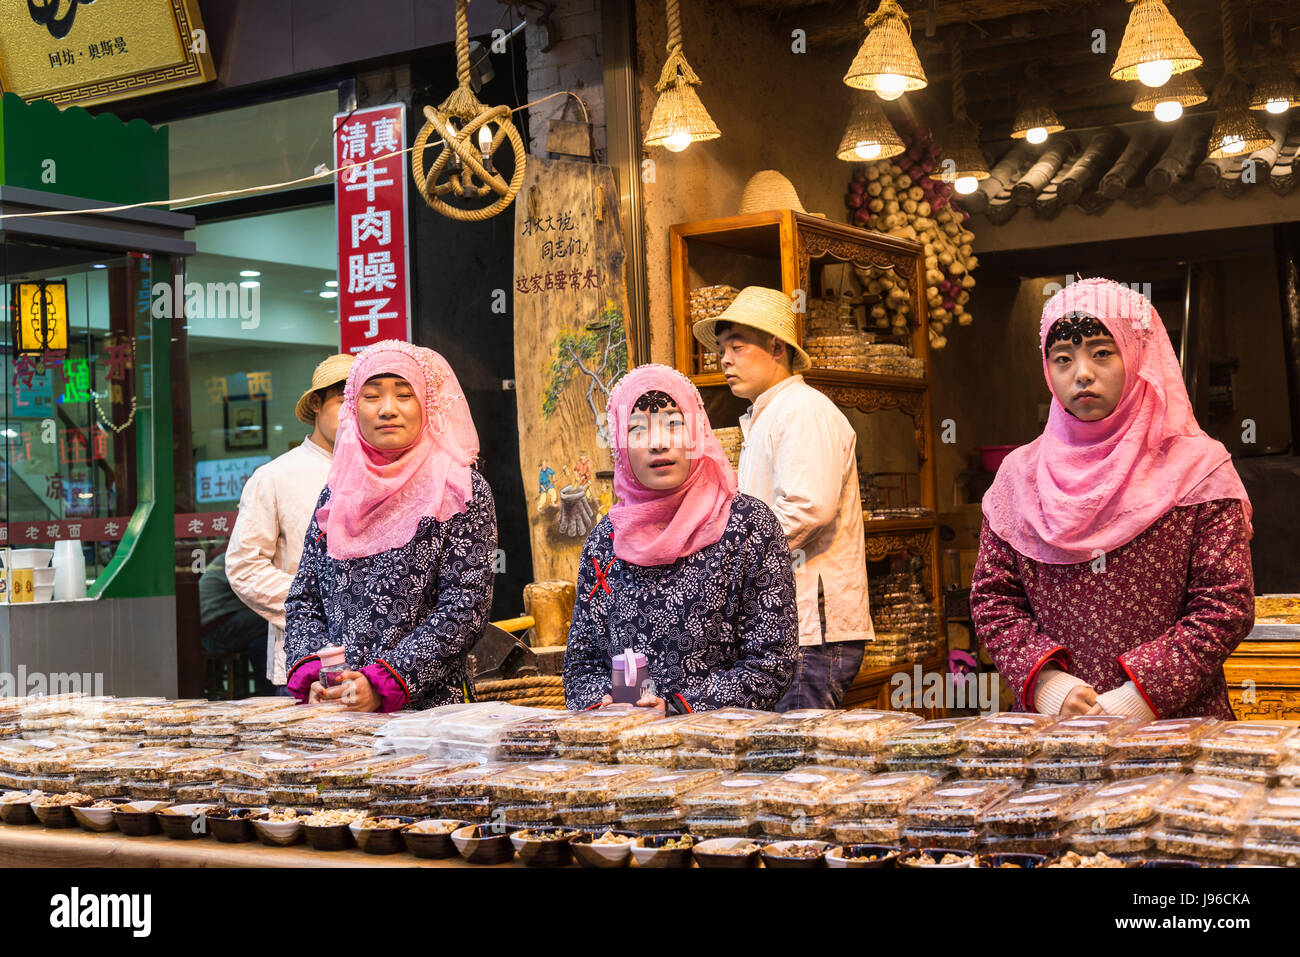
[874,830]
[1084,736]
[766,760]
[987,766]
[661,789]
[588,753]
[806,791]
[1059,770]
[733,796]
[959,838]
[422,776]
[602,725]
[653,735]
[660,757]
[724,730]
[1249,773]
[292,794]
[1169,738]
[1027,812]
[1004,735]
[861,731]
[928,739]
[1046,843]
[1145,768]
[939,765]
[696,758]
[531,782]
[306,768]
[1217,847]
[1208,805]
[659,819]
[743,826]
[844,759]
[1134,840]
[524,812]
[883,796]
[532,738]
[958,804]
[1259,744]
[1121,805]
[471,784]
[358,774]
[601,785]
[1276,817]
[243,796]
[797,827]
[790,731]
[251,767]
[1271,853]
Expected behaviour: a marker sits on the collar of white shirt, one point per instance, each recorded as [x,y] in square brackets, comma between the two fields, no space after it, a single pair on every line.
[316,448]
[764,400]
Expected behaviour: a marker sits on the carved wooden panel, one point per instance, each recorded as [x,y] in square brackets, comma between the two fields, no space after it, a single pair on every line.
[868,399]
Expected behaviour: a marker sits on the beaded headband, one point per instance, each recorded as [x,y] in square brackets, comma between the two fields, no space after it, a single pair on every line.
[436,403]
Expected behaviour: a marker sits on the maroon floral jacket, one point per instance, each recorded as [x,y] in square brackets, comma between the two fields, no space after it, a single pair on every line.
[1166,611]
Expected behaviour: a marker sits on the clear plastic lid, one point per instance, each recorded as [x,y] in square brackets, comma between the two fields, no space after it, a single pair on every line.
[663,787]
[726,729]
[876,830]
[1039,809]
[862,731]
[436,777]
[1122,804]
[1168,738]
[734,795]
[1212,805]
[664,733]
[604,753]
[1254,743]
[969,765]
[1133,840]
[1084,736]
[702,758]
[301,769]
[928,738]
[601,785]
[812,827]
[1218,847]
[532,782]
[1277,816]
[1259,774]
[1005,735]
[934,764]
[790,730]
[955,804]
[42,761]
[1120,768]
[359,773]
[536,730]
[884,795]
[330,727]
[250,766]
[1059,769]
[264,719]
[603,725]
[807,790]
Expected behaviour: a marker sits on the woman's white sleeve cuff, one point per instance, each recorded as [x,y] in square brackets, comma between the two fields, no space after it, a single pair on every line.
[1053,687]
[1126,699]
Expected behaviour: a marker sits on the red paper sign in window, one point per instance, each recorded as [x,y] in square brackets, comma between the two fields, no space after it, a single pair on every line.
[374,301]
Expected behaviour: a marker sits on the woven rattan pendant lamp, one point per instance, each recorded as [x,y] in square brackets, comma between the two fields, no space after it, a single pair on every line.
[679,118]
[1035,119]
[870,135]
[1167,102]
[960,156]
[1236,132]
[1276,89]
[887,62]
[1154,47]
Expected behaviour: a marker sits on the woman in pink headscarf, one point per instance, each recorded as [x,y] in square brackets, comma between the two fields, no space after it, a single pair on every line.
[397,566]
[685,577]
[1114,571]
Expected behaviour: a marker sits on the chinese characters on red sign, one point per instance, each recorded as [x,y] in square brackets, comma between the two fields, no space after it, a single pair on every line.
[84,530]
[370,203]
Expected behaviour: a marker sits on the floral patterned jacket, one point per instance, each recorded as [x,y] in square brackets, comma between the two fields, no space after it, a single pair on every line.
[413,610]
[717,627]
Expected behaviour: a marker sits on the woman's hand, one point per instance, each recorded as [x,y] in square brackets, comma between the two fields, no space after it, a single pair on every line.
[353,691]
[652,701]
[316,694]
[1082,700]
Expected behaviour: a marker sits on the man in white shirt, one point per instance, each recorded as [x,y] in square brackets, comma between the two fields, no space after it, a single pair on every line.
[799,457]
[276,507]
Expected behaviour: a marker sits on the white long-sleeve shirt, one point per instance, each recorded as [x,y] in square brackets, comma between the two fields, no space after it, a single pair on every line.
[262,555]
[799,457]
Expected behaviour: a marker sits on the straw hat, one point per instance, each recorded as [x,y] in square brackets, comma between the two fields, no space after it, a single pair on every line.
[769,189]
[768,310]
[333,371]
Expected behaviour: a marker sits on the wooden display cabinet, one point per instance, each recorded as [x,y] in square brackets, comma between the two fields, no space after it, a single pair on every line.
[781,248]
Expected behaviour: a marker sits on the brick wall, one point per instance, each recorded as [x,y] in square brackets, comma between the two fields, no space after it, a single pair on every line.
[574,62]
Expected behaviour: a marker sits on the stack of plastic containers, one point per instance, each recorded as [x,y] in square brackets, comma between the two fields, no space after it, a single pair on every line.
[654,742]
[718,739]
[949,815]
[434,787]
[999,746]
[594,735]
[1118,817]
[524,793]
[856,739]
[871,811]
[927,746]
[1031,821]
[1273,829]
[589,799]
[1169,746]
[798,803]
[1205,817]
[654,803]
[727,807]
[1076,749]
[1245,750]
[786,740]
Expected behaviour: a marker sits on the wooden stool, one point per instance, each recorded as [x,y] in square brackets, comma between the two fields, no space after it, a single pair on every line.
[227,676]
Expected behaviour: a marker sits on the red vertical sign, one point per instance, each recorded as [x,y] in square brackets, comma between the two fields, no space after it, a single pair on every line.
[370,202]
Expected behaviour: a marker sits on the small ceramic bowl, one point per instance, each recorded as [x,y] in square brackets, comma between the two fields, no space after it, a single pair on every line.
[381,840]
[936,853]
[785,854]
[185,822]
[538,851]
[138,818]
[278,833]
[329,837]
[608,856]
[429,840]
[18,812]
[863,855]
[55,815]
[97,818]
[649,850]
[720,852]
[1011,860]
[232,825]
[485,843]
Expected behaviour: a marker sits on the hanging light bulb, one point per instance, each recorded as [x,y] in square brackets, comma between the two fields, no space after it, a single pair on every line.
[1036,134]
[1235,130]
[1154,47]
[960,146]
[677,141]
[1277,105]
[1169,101]
[887,62]
[966,185]
[1167,111]
[869,135]
[1233,144]
[679,118]
[867,150]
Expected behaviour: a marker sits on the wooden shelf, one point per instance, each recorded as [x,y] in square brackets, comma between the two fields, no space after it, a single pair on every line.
[876,526]
[834,377]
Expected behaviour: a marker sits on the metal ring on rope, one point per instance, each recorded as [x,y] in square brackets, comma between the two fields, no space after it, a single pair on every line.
[433,187]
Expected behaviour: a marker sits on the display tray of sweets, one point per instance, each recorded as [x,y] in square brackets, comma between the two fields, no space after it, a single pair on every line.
[660,789]
[789,731]
[358,773]
[957,804]
[969,765]
[1217,847]
[653,735]
[249,767]
[1209,805]
[1168,738]
[531,738]
[533,781]
[599,785]
[1258,744]
[1031,811]
[1004,735]
[1276,817]
[1059,770]
[884,795]
[436,777]
[731,796]
[724,730]
[861,731]
[1121,805]
[876,830]
[602,726]
[928,738]
[1133,840]
[306,768]
[806,791]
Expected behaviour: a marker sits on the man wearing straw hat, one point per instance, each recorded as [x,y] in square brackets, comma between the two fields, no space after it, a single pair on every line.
[276,507]
[799,457]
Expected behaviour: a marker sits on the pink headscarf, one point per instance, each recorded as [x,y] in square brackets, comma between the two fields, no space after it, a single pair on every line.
[1082,486]
[658,527]
[377,498]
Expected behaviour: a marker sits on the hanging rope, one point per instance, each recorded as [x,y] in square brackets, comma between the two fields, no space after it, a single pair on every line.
[676,70]
[958,81]
[674,27]
[887,9]
[1230,65]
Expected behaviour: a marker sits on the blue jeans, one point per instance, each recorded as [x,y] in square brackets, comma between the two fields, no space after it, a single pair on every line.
[822,674]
